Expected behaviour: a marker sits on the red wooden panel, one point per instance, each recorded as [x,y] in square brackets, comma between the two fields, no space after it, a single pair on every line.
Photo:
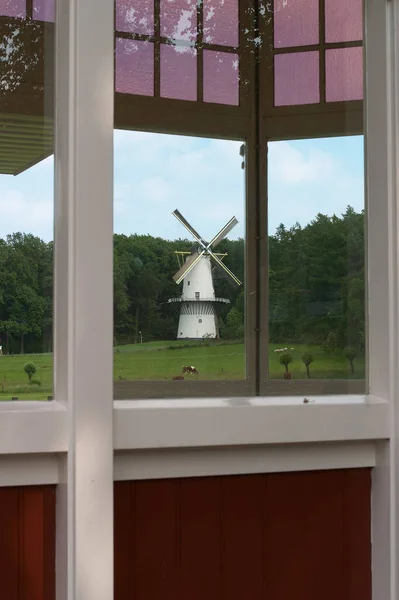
[304,543]
[243,537]
[357,528]
[32,543]
[156,540]
[9,546]
[123,540]
[200,539]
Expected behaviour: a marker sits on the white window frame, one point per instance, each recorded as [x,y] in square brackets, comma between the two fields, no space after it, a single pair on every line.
[84,440]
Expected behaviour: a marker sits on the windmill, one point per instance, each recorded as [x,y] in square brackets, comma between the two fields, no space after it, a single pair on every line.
[198,318]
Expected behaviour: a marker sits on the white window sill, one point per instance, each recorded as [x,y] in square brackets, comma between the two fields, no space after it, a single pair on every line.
[146,424]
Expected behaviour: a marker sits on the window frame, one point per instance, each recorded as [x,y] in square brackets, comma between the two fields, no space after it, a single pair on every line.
[80,431]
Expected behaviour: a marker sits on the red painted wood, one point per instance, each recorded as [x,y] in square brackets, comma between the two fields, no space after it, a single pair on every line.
[200,527]
[156,540]
[357,527]
[9,543]
[243,537]
[27,543]
[305,536]
[123,539]
[275,537]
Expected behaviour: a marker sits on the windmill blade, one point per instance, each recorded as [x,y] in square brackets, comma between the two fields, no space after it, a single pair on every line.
[223,232]
[233,278]
[187,225]
[187,267]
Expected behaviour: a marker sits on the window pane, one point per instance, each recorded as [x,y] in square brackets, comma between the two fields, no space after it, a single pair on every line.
[26,199]
[178,72]
[344,21]
[221,22]
[296,23]
[221,77]
[344,74]
[296,78]
[44,10]
[175,304]
[134,67]
[179,19]
[135,16]
[316,259]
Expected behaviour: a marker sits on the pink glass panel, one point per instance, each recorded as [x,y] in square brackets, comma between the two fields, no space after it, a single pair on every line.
[296,23]
[179,19]
[178,73]
[135,16]
[221,77]
[296,78]
[344,20]
[221,22]
[344,74]
[44,10]
[13,8]
[134,67]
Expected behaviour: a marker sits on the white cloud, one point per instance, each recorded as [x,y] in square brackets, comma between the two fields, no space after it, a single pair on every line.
[293,167]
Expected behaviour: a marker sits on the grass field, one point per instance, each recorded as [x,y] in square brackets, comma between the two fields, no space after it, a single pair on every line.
[164,360]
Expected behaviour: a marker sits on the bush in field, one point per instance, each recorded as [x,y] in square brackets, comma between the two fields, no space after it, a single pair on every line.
[331,343]
[307,359]
[30,370]
[285,360]
[350,354]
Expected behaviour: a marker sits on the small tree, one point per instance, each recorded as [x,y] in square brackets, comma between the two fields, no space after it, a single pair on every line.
[307,359]
[331,343]
[285,360]
[350,354]
[30,370]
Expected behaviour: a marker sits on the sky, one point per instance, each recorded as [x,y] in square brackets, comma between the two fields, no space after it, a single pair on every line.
[154,174]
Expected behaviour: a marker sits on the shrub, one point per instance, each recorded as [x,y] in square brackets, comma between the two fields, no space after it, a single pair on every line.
[331,343]
[350,355]
[30,370]
[285,360]
[307,359]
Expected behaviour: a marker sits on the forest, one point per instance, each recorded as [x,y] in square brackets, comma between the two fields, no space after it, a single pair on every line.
[316,287]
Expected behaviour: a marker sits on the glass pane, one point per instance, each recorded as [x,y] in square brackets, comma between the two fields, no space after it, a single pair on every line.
[344,21]
[296,23]
[179,19]
[178,72]
[178,313]
[134,67]
[221,77]
[135,16]
[221,22]
[26,202]
[296,78]
[316,259]
[344,74]
[44,10]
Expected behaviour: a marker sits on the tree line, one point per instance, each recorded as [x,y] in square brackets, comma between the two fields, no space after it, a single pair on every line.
[316,287]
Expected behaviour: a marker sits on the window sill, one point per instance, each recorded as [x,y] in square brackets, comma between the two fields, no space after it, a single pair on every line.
[146,424]
[32,427]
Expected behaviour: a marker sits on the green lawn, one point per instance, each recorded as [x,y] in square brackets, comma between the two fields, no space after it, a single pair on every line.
[164,360]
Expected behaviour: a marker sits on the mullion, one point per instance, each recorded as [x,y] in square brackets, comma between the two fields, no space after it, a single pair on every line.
[316,47]
[200,53]
[322,52]
[157,48]
[29,9]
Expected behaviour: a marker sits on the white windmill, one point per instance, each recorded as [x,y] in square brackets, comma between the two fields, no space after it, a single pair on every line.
[198,317]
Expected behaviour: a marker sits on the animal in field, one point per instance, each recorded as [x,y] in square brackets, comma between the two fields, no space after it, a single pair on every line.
[287,375]
[178,378]
[190,369]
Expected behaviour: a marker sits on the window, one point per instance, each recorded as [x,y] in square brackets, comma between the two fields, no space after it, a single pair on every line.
[310,73]
[26,191]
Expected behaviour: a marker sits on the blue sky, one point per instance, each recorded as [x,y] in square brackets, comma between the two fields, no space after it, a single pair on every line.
[154,174]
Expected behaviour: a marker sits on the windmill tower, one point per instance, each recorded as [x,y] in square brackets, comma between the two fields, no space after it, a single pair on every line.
[198,317]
